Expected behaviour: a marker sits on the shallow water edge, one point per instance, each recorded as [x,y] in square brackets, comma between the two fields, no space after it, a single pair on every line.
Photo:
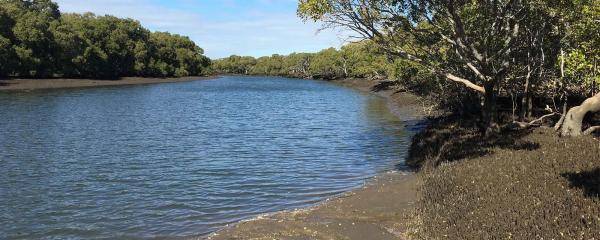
[379,209]
[197,167]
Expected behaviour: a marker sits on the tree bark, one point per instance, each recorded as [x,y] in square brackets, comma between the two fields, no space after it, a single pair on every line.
[526,103]
[490,110]
[466,82]
[526,96]
[573,123]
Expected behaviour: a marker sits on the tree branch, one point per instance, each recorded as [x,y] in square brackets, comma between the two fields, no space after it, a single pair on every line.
[532,123]
[562,118]
[466,82]
[591,130]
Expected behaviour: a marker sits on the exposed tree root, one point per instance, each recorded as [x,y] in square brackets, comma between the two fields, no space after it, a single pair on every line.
[573,122]
[591,130]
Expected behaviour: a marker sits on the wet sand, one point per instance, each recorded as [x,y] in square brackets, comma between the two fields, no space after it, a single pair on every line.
[54,83]
[382,209]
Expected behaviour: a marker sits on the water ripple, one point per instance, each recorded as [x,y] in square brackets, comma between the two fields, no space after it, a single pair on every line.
[183,159]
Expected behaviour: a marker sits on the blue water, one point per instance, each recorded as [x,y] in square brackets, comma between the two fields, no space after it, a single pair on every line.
[183,159]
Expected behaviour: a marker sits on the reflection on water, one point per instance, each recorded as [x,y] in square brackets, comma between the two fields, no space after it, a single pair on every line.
[183,159]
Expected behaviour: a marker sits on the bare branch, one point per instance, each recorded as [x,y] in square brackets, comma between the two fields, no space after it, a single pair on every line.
[534,122]
[562,118]
[591,130]
[466,82]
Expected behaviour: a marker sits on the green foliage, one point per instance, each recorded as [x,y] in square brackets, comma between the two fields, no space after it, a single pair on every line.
[25,24]
[272,65]
[37,41]
[496,49]
[355,60]
[178,56]
[313,9]
[364,60]
[327,64]
[234,65]
[582,72]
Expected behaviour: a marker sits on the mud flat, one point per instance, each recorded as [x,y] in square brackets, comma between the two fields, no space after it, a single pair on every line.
[54,83]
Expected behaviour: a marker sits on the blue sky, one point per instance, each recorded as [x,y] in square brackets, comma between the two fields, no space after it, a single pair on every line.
[222,27]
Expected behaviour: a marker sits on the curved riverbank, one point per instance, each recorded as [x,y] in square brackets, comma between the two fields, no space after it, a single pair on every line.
[57,83]
[183,160]
[519,184]
[380,210]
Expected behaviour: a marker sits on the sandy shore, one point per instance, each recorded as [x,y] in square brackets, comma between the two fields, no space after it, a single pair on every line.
[380,210]
[35,84]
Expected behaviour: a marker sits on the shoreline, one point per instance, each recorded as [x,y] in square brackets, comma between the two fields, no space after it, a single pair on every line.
[15,85]
[380,209]
[525,179]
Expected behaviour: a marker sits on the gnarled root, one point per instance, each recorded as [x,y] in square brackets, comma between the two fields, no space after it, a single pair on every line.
[573,122]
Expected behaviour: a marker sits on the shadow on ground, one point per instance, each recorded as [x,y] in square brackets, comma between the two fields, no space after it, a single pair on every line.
[383,85]
[588,181]
[452,139]
[526,184]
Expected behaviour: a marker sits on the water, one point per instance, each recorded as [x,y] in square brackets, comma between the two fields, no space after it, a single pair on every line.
[183,159]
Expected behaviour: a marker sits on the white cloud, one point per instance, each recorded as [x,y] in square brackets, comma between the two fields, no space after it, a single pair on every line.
[255,31]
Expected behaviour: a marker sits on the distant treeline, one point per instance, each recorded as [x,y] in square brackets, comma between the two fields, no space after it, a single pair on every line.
[355,60]
[361,60]
[36,40]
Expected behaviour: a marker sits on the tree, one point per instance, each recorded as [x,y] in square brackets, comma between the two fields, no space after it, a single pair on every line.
[358,60]
[7,54]
[326,64]
[579,67]
[363,60]
[30,38]
[297,65]
[272,65]
[473,43]
[177,55]
[234,65]
[36,40]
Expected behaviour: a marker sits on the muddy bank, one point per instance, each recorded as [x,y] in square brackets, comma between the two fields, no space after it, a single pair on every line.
[520,184]
[36,84]
[380,210]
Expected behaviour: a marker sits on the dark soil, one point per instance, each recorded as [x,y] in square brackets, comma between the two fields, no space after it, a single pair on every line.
[54,83]
[526,184]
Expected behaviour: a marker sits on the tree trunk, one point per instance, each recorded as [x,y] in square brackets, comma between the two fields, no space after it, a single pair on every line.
[572,125]
[345,67]
[490,110]
[525,101]
[525,107]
